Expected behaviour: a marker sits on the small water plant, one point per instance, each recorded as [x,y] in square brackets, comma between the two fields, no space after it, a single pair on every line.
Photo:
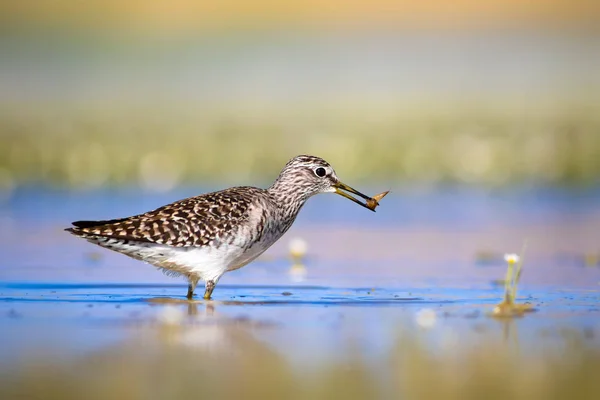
[508,307]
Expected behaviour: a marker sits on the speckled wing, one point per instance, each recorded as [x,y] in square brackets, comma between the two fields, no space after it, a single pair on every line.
[193,222]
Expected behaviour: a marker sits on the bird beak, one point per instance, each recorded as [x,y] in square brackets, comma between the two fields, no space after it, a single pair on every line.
[341,189]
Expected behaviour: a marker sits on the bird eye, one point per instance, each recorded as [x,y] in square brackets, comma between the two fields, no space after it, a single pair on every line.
[320,172]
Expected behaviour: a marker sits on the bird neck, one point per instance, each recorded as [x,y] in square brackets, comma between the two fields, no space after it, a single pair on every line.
[288,197]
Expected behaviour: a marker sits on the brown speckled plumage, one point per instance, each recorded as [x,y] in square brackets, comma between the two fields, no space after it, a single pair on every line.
[194,222]
[205,236]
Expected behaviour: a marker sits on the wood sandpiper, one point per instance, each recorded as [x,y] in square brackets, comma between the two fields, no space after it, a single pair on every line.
[205,236]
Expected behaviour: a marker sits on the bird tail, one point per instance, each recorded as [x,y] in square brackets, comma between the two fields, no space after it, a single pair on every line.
[80,228]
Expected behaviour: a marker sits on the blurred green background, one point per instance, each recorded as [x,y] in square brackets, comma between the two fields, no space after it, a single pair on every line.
[174,93]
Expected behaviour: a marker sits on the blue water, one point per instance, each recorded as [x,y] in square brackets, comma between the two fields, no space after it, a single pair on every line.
[439,206]
[67,297]
[81,318]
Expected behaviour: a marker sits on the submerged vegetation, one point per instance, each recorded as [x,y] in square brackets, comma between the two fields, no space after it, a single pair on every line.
[162,147]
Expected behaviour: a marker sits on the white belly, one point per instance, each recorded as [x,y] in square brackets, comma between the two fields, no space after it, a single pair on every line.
[206,262]
[210,263]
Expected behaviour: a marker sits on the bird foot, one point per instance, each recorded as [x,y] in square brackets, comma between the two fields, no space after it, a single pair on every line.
[210,286]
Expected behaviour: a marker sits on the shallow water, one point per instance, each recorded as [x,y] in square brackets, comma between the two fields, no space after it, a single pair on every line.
[426,263]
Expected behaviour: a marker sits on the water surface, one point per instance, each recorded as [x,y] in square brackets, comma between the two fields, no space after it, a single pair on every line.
[425,265]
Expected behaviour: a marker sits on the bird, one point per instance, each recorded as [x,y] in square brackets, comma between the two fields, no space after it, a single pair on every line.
[203,237]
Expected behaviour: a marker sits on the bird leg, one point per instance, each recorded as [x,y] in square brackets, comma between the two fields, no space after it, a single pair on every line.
[210,286]
[192,287]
